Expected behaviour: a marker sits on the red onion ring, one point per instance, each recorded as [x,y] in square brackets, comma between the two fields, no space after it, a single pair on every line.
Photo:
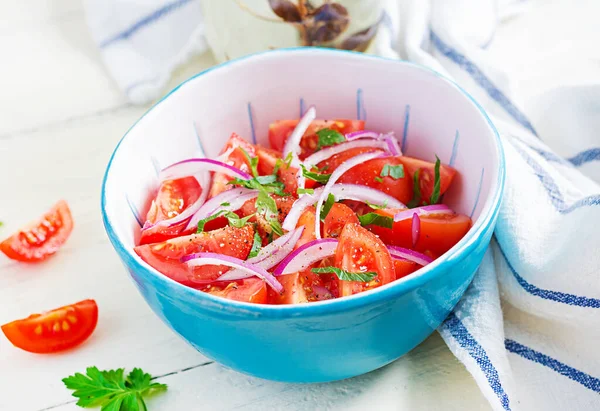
[236,197]
[309,253]
[392,145]
[362,134]
[193,166]
[415,228]
[342,168]
[423,211]
[292,145]
[199,259]
[410,255]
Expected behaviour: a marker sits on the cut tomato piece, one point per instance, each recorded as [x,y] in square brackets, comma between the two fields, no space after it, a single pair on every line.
[339,215]
[307,220]
[56,330]
[301,287]
[40,239]
[279,132]
[402,268]
[427,175]
[267,159]
[173,197]
[359,250]
[250,290]
[166,256]
[438,232]
[235,158]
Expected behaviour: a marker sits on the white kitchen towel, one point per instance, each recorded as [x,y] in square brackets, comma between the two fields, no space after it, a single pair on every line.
[528,328]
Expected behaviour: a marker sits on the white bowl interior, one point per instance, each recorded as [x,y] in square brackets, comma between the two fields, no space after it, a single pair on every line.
[430,114]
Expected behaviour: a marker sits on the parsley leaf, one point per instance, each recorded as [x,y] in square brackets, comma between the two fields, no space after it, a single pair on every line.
[253,161]
[395,172]
[345,275]
[319,178]
[416,190]
[377,207]
[233,219]
[329,137]
[435,196]
[111,390]
[327,206]
[376,219]
[378,179]
[305,191]
[225,204]
[256,245]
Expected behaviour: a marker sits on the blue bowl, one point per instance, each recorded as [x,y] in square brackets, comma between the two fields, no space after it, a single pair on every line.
[327,340]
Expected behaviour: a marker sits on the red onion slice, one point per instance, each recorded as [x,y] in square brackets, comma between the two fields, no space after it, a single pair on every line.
[342,168]
[415,228]
[292,145]
[340,192]
[362,134]
[309,253]
[193,166]
[423,211]
[236,197]
[268,257]
[410,255]
[199,259]
[392,144]
[329,152]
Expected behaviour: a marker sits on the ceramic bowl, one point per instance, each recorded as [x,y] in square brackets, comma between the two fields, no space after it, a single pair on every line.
[334,339]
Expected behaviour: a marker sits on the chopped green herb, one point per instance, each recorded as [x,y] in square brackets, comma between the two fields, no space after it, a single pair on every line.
[276,227]
[394,172]
[345,275]
[377,207]
[253,161]
[261,183]
[329,137]
[378,179]
[435,196]
[225,204]
[319,178]
[327,206]
[111,390]
[288,159]
[256,245]
[376,219]
[233,219]
[416,190]
[305,191]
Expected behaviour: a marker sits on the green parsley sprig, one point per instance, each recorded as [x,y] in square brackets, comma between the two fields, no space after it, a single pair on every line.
[318,177]
[376,219]
[329,137]
[346,275]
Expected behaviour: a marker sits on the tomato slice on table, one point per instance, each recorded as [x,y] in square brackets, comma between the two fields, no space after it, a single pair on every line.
[427,175]
[301,287]
[438,232]
[339,215]
[166,256]
[279,132]
[235,158]
[56,330]
[173,197]
[249,290]
[359,250]
[42,238]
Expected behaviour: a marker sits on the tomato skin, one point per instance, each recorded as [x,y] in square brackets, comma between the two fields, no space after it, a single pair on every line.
[359,250]
[40,239]
[56,330]
[279,132]
[236,158]
[249,290]
[337,218]
[438,234]
[307,220]
[427,175]
[165,257]
[173,197]
[298,288]
[402,268]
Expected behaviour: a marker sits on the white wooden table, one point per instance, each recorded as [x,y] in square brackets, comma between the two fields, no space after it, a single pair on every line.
[60,118]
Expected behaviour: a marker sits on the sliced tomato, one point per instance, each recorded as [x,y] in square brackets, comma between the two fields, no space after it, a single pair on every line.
[250,290]
[301,287]
[56,330]
[279,132]
[307,220]
[235,158]
[402,268]
[359,250]
[438,232]
[427,175]
[42,238]
[267,159]
[173,197]
[339,215]
[333,162]
[166,256]
[284,205]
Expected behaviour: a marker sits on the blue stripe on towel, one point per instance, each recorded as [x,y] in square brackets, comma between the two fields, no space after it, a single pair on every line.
[477,352]
[480,78]
[582,378]
[144,21]
[585,156]
[556,296]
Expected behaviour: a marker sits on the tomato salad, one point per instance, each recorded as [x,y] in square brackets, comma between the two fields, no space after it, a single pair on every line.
[329,210]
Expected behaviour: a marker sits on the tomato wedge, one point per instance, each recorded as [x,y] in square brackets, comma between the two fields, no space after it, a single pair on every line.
[339,215]
[302,287]
[438,232]
[279,132]
[235,158]
[267,159]
[250,290]
[39,240]
[166,256]
[173,197]
[402,268]
[427,175]
[307,220]
[359,250]
[56,330]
